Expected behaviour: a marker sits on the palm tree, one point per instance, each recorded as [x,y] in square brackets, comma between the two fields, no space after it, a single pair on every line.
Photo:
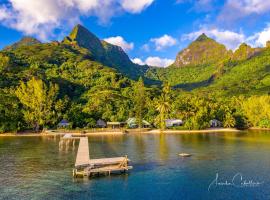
[163,106]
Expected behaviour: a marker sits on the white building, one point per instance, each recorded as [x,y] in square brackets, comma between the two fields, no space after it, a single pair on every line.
[173,122]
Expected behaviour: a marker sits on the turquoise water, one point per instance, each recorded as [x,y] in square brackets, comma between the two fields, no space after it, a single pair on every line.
[34,167]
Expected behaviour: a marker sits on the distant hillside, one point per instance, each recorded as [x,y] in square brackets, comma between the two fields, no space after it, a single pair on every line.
[72,69]
[25,41]
[203,51]
[246,77]
[206,66]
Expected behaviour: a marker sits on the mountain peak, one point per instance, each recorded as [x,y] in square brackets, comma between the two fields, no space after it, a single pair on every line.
[82,37]
[78,31]
[108,54]
[203,51]
[244,45]
[202,37]
[25,41]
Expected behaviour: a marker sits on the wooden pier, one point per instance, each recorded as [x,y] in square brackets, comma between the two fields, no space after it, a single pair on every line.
[86,167]
[82,158]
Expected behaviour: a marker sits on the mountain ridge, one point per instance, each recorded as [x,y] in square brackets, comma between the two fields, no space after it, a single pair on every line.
[205,62]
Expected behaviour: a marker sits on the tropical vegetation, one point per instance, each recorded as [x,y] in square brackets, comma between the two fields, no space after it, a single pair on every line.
[83,79]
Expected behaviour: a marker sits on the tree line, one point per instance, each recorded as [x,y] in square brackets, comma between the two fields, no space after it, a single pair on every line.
[36,104]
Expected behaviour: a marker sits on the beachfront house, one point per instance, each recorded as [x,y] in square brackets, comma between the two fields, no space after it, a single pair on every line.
[63,124]
[214,123]
[132,123]
[173,122]
[101,123]
[115,125]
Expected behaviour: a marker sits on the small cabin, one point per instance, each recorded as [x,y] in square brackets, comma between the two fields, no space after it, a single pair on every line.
[173,122]
[101,123]
[115,125]
[63,124]
[214,123]
[132,123]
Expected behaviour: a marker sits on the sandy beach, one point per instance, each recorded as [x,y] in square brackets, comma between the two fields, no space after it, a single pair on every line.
[128,131]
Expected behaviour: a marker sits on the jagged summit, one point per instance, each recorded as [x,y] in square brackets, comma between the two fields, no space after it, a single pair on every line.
[79,33]
[25,41]
[202,37]
[84,38]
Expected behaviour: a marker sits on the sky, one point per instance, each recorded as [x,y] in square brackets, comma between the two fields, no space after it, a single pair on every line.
[150,31]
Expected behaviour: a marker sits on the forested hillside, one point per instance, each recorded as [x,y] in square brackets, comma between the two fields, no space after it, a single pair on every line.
[243,72]
[83,79]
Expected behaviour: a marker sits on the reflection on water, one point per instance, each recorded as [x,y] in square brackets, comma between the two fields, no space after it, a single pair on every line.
[35,167]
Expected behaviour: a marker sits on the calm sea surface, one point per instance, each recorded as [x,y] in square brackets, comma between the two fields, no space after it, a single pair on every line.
[35,168]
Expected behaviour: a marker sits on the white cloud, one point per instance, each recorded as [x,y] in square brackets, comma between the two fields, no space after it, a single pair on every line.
[138,61]
[119,41]
[42,17]
[260,38]
[136,6]
[229,38]
[154,61]
[241,8]
[164,42]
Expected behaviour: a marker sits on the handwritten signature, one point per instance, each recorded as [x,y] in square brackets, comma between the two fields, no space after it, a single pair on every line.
[237,181]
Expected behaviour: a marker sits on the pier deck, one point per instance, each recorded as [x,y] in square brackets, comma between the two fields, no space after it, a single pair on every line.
[84,166]
[83,157]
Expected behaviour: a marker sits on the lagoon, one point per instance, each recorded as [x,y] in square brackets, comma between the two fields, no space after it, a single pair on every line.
[35,168]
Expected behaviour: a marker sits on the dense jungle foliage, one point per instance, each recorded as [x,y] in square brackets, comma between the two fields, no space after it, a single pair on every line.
[41,84]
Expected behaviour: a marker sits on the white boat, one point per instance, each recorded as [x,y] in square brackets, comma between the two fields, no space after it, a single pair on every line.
[184,154]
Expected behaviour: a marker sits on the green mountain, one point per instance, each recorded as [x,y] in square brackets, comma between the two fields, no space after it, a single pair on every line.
[206,66]
[203,51]
[101,51]
[25,41]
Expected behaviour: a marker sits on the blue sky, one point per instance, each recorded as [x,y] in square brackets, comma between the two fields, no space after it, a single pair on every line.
[150,31]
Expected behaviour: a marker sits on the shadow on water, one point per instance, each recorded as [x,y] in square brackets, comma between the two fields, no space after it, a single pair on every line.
[139,167]
[119,176]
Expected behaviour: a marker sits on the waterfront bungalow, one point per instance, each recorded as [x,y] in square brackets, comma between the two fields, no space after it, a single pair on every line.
[214,123]
[131,123]
[101,123]
[115,125]
[173,122]
[63,124]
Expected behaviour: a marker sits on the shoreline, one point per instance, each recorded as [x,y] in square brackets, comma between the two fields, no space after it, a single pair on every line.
[128,131]
[259,129]
[218,130]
